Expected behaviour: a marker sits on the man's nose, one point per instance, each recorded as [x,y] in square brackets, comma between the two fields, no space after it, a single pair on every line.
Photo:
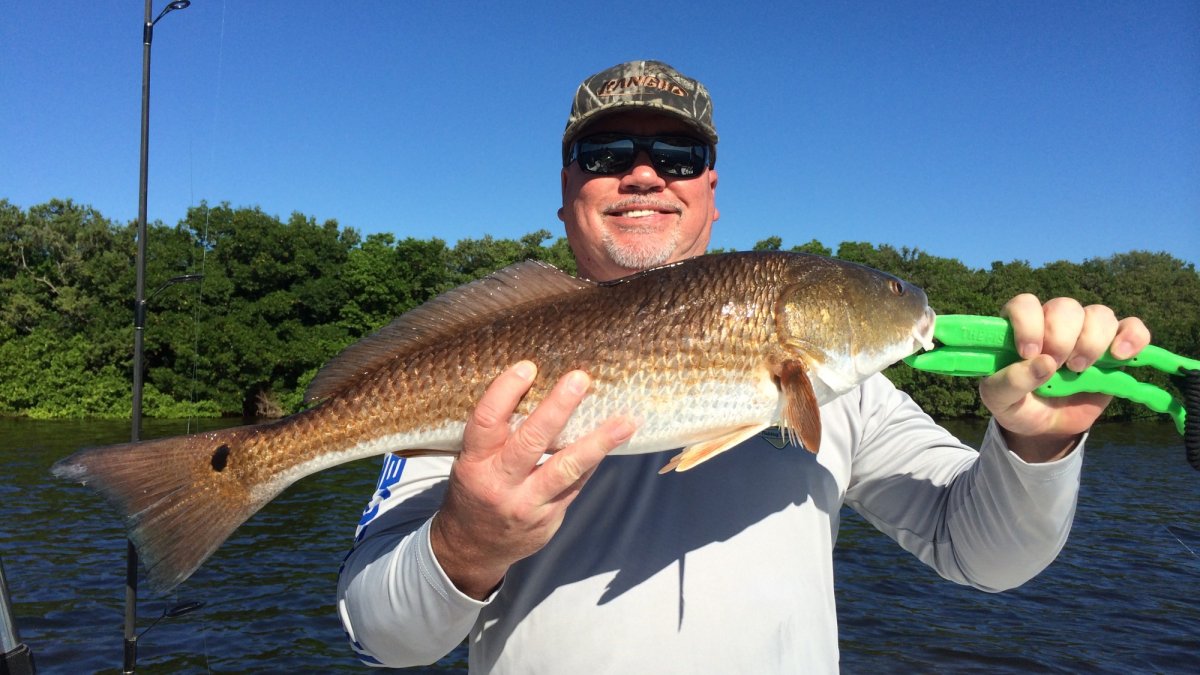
[642,174]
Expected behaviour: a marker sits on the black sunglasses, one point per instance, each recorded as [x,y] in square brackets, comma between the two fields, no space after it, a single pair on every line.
[610,153]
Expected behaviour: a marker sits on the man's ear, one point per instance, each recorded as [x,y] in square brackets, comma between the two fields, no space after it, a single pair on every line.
[563,176]
[712,184]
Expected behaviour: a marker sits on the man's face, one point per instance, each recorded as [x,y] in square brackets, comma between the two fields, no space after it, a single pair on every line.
[629,221]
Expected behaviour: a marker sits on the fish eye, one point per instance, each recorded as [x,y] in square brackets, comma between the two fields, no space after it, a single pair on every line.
[896,287]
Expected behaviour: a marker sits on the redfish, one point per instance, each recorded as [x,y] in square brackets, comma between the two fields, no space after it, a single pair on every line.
[704,353]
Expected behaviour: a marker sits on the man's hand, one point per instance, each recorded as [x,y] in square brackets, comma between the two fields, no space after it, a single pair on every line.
[1048,336]
[501,505]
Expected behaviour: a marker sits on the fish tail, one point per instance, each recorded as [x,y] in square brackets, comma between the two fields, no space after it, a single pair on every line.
[181,497]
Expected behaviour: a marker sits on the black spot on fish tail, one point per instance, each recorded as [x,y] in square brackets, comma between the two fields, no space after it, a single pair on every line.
[159,486]
[220,458]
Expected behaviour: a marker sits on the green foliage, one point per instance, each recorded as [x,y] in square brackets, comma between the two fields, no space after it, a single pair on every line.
[280,298]
[43,376]
[814,247]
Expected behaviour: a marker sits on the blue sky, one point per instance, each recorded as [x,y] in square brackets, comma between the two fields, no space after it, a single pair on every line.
[980,130]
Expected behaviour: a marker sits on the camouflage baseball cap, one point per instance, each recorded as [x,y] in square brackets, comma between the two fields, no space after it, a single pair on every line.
[640,84]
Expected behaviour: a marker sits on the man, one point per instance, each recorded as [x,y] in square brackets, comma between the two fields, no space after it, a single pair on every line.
[581,563]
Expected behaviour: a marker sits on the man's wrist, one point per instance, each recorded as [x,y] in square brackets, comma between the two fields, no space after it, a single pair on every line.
[1040,448]
[470,577]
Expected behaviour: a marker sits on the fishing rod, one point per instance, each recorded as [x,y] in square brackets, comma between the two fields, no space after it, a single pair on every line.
[978,346]
[15,656]
[140,300]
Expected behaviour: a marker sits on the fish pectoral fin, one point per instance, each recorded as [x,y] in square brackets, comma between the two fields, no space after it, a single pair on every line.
[706,450]
[801,413]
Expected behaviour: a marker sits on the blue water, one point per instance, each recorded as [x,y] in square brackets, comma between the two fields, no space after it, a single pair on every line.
[1124,596]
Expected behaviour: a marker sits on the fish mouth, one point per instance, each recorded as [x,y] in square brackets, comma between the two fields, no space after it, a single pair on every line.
[922,333]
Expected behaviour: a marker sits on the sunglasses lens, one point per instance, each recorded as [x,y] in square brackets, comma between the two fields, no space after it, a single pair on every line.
[607,154]
[678,156]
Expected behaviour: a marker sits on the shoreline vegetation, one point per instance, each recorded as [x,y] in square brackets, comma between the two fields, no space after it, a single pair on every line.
[280,298]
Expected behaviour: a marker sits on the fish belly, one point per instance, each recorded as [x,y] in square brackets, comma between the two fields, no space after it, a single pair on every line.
[682,414]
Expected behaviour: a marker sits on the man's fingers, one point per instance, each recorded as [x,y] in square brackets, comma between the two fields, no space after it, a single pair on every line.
[1060,332]
[1095,335]
[1064,320]
[1006,388]
[488,429]
[546,422]
[1132,337]
[563,475]
[1025,314]
[537,434]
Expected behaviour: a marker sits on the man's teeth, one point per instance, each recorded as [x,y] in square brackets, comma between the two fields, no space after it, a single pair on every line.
[639,214]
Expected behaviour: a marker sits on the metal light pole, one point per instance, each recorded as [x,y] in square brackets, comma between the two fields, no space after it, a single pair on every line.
[139,317]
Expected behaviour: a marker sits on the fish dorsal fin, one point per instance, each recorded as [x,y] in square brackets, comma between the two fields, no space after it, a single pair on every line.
[449,314]
[801,414]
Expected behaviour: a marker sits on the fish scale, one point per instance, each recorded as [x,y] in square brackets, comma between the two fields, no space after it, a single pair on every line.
[702,354]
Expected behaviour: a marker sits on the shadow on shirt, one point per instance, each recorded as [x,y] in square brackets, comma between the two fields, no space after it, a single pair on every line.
[631,520]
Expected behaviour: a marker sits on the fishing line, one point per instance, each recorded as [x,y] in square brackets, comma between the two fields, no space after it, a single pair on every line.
[199,293]
[172,612]
[1176,536]
[196,321]
[212,161]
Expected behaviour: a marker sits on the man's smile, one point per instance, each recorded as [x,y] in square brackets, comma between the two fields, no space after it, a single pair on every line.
[642,208]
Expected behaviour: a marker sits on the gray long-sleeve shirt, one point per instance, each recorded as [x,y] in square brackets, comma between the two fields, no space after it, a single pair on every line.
[727,567]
